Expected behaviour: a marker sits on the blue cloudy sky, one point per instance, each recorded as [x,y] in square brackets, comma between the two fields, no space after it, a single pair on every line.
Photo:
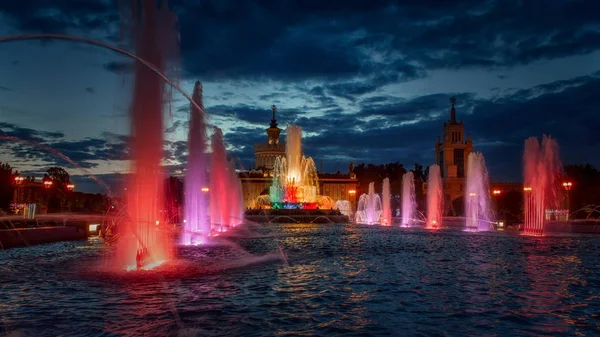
[368,81]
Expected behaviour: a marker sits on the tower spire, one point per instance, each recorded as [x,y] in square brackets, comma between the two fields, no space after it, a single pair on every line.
[273,121]
[452,110]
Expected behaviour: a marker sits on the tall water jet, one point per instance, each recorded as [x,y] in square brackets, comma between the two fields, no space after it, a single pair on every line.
[435,197]
[197,226]
[369,207]
[386,200]
[142,242]
[541,169]
[409,199]
[219,183]
[477,194]
[234,191]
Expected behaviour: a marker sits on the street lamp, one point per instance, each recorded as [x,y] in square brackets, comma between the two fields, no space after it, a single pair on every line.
[205,189]
[567,185]
[71,186]
[19,180]
[496,192]
[47,183]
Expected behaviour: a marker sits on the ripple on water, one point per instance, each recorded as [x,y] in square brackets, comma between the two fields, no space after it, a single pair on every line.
[341,279]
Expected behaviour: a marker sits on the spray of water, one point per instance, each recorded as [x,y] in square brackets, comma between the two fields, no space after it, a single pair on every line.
[386,199]
[477,195]
[409,200]
[435,197]
[541,170]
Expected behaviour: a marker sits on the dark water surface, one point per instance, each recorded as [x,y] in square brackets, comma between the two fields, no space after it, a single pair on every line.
[341,280]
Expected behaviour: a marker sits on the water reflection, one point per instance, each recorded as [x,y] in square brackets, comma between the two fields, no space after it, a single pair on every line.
[341,279]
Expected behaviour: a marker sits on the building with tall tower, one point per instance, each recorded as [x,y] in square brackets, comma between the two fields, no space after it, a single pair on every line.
[451,155]
[266,153]
[256,182]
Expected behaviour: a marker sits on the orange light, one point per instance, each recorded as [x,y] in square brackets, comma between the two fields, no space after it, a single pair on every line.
[19,179]
[71,187]
[567,185]
[472,194]
[47,183]
[527,189]
[496,192]
[351,191]
[205,189]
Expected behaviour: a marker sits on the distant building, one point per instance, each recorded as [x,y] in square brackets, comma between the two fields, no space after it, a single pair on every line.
[256,182]
[451,155]
[266,153]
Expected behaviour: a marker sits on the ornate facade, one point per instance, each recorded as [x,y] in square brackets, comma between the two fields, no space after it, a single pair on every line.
[257,182]
[451,155]
[265,154]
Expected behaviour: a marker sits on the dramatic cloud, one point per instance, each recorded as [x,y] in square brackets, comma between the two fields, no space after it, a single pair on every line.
[367,80]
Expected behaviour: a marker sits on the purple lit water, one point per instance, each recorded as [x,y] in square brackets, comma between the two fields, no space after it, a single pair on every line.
[368,210]
[197,224]
[409,199]
[478,212]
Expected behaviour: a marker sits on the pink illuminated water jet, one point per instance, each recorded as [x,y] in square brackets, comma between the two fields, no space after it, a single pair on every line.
[409,200]
[435,197]
[143,242]
[197,225]
[541,171]
[477,195]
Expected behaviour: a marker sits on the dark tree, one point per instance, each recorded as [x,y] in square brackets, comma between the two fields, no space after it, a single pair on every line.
[60,177]
[7,176]
[585,190]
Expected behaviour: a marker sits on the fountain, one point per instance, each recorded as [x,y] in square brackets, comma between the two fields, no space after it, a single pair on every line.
[220,214]
[369,207]
[143,243]
[295,178]
[344,207]
[477,194]
[196,225]
[235,196]
[409,200]
[386,215]
[435,197]
[541,169]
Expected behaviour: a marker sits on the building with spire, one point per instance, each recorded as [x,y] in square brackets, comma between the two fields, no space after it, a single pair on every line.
[256,182]
[266,153]
[451,155]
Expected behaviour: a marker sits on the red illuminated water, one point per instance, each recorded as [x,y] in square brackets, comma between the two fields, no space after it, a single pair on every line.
[219,184]
[435,197]
[541,169]
[143,241]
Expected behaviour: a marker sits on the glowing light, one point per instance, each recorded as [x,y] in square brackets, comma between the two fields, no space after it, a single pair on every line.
[472,194]
[184,220]
[527,189]
[567,185]
[496,192]
[71,187]
[47,184]
[352,192]
[19,179]
[205,189]
[157,222]
[93,227]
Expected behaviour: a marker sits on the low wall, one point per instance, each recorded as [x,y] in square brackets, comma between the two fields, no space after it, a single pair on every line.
[574,226]
[23,237]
